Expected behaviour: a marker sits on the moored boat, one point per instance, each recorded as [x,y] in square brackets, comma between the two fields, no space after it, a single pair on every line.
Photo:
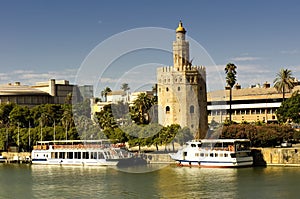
[77,152]
[215,153]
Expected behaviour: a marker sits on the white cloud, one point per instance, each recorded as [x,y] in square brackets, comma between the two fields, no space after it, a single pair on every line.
[29,77]
[291,52]
[247,58]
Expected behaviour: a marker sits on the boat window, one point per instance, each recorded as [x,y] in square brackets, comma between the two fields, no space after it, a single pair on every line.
[206,154]
[196,154]
[226,155]
[221,154]
[93,155]
[56,154]
[233,155]
[85,155]
[100,155]
[211,155]
[242,146]
[217,145]
[193,145]
[199,145]
[216,155]
[77,155]
[206,145]
[184,153]
[70,155]
[226,144]
[61,154]
[53,155]
[201,154]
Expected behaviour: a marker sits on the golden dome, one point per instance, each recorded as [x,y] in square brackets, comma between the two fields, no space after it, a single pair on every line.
[180,28]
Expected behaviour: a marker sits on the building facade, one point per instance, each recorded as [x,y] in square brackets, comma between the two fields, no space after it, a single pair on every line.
[254,104]
[49,92]
[181,90]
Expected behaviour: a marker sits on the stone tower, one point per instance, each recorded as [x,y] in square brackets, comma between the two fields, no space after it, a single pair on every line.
[182,90]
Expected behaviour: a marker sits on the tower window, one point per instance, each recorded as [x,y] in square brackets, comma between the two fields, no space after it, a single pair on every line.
[167,109]
[167,89]
[178,88]
[192,109]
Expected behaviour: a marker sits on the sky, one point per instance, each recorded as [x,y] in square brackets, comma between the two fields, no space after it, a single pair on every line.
[107,43]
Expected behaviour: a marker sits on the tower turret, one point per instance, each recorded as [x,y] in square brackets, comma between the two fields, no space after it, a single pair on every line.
[181,49]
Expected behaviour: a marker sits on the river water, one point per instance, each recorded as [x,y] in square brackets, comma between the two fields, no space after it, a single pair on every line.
[36,181]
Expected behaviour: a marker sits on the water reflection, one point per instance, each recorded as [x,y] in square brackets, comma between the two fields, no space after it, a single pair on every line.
[197,183]
[38,181]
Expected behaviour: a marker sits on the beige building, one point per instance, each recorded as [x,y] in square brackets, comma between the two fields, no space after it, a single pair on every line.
[182,90]
[50,92]
[258,103]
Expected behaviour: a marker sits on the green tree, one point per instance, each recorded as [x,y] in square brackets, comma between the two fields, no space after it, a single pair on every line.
[289,110]
[19,116]
[125,87]
[67,119]
[230,71]
[284,82]
[105,92]
[106,119]
[5,110]
[141,107]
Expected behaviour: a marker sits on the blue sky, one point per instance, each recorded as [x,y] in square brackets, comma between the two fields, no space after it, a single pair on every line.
[52,39]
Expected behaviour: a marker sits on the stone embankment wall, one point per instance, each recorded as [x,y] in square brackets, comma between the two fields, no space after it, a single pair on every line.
[276,156]
[162,158]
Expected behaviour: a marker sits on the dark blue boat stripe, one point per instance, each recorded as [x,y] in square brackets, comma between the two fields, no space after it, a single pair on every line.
[36,159]
[213,161]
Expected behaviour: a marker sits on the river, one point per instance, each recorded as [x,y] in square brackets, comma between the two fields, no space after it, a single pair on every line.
[36,181]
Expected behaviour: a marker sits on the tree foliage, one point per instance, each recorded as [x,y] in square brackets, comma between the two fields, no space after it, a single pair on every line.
[230,71]
[289,111]
[284,81]
[268,135]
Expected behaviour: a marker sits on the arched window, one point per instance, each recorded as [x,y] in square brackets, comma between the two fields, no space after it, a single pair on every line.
[192,109]
[167,89]
[178,88]
[167,109]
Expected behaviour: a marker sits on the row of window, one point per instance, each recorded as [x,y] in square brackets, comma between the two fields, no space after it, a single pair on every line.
[244,111]
[168,109]
[178,89]
[225,155]
[189,79]
[78,155]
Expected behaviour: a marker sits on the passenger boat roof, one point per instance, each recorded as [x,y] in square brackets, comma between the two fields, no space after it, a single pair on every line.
[73,141]
[219,140]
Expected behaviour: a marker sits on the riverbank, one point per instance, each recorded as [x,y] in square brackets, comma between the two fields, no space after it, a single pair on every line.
[261,157]
[276,156]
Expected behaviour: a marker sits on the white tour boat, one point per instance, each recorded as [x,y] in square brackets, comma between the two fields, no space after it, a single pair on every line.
[77,152]
[215,153]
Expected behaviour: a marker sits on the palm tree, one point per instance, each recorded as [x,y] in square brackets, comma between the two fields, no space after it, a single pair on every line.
[230,71]
[67,120]
[125,87]
[105,92]
[284,81]
[143,103]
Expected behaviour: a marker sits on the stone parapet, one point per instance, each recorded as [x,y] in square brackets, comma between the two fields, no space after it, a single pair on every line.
[276,156]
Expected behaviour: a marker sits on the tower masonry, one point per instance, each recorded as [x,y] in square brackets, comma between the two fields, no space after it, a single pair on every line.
[182,90]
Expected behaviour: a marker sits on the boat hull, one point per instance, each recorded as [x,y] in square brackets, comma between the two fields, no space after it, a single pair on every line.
[215,164]
[75,162]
